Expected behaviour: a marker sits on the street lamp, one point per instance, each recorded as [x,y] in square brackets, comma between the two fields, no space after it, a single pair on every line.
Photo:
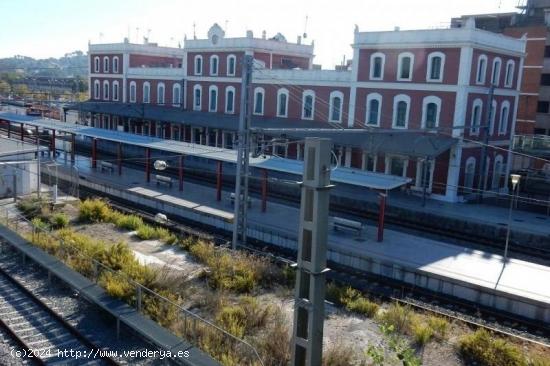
[515,180]
[160,165]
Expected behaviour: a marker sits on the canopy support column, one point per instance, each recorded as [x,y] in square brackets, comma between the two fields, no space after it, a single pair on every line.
[52,143]
[219,181]
[94,153]
[381,213]
[73,148]
[147,164]
[22,131]
[119,158]
[180,172]
[9,129]
[264,190]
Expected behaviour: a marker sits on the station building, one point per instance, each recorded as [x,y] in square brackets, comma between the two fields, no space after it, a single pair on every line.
[411,103]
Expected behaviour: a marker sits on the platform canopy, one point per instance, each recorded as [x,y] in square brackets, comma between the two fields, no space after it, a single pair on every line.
[343,175]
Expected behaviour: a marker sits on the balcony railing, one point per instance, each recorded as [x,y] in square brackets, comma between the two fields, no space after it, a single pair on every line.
[533,143]
[157,72]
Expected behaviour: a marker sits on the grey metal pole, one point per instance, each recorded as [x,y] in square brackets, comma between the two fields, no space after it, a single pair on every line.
[482,184]
[241,176]
[509,224]
[309,306]
[14,188]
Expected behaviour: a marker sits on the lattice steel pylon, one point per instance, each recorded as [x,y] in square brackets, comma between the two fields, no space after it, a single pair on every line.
[243,154]
[309,306]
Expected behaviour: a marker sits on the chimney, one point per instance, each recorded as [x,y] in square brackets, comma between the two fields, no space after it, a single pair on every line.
[249,34]
[397,29]
[263,34]
[299,40]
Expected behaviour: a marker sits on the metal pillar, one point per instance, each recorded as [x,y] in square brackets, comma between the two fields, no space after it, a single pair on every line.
[264,190]
[94,153]
[22,131]
[73,148]
[37,135]
[219,181]
[9,129]
[180,172]
[243,156]
[309,307]
[119,158]
[381,214]
[52,143]
[147,164]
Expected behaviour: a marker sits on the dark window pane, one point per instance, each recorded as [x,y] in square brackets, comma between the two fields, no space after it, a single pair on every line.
[377,72]
[373,112]
[431,115]
[435,73]
[543,107]
[545,79]
[405,67]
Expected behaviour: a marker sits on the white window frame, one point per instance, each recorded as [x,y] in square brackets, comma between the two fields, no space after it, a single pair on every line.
[306,93]
[97,63]
[495,184]
[509,76]
[429,68]
[227,90]
[476,103]
[502,122]
[493,117]
[427,100]
[212,88]
[195,63]
[148,85]
[387,164]
[106,90]
[495,72]
[97,90]
[197,107]
[420,174]
[115,64]
[282,91]
[176,101]
[116,87]
[400,66]
[212,71]
[481,72]
[371,71]
[470,161]
[260,90]
[134,97]
[336,94]
[234,66]
[370,98]
[396,100]
[105,64]
[161,101]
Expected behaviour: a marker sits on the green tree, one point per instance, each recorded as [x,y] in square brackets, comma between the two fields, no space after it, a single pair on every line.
[5,88]
[21,90]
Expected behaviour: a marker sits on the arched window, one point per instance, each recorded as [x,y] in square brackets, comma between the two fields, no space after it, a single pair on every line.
[231,65]
[335,107]
[477,110]
[97,94]
[176,94]
[493,117]
[431,108]
[469,174]
[197,96]
[160,93]
[401,105]
[115,64]
[213,98]
[282,102]
[96,64]
[374,105]
[509,77]
[146,92]
[436,62]
[308,104]
[132,92]
[115,90]
[504,116]
[481,69]
[214,62]
[405,63]
[259,94]
[105,64]
[230,99]
[497,173]
[198,65]
[377,61]
[105,90]
[495,76]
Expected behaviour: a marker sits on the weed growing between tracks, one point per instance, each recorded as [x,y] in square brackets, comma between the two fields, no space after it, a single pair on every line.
[236,281]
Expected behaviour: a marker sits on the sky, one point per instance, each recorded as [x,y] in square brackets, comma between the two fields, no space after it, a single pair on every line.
[51,28]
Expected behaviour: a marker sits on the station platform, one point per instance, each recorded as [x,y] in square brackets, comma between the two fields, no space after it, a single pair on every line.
[515,286]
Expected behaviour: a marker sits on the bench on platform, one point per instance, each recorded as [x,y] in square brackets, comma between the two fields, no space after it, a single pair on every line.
[105,165]
[232,199]
[161,179]
[339,223]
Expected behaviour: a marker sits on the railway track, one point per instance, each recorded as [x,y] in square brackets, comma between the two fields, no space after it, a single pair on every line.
[380,287]
[42,336]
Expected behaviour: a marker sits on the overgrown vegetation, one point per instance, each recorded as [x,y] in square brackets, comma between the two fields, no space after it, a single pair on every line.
[483,347]
[351,299]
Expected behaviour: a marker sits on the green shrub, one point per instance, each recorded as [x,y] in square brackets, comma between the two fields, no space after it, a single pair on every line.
[146,232]
[439,326]
[352,299]
[40,225]
[94,210]
[483,347]
[398,316]
[422,333]
[334,293]
[127,222]
[59,220]
[539,361]
[363,306]
[31,206]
